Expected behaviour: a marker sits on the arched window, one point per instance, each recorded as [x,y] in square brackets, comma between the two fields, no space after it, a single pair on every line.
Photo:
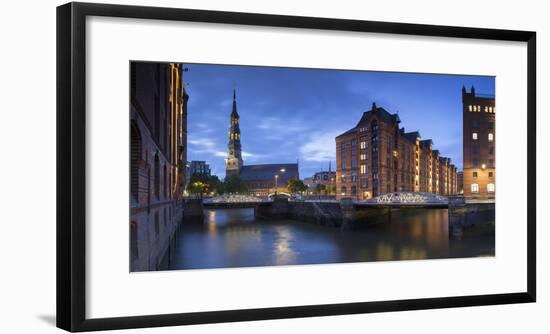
[157,176]
[133,240]
[135,159]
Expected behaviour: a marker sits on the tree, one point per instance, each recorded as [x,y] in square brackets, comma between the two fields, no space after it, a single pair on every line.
[198,185]
[234,184]
[319,188]
[215,185]
[296,186]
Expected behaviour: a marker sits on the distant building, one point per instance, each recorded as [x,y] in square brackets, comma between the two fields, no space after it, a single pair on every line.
[325,178]
[479,141]
[158,153]
[199,167]
[377,156]
[460,182]
[261,180]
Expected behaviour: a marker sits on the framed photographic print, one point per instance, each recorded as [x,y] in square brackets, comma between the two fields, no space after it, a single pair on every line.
[219,166]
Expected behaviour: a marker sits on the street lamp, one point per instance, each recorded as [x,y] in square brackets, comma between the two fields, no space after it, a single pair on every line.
[276,179]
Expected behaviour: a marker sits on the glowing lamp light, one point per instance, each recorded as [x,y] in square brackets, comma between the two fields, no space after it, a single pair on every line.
[483,166]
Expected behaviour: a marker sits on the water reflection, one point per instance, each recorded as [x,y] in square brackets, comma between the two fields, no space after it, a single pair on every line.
[234,238]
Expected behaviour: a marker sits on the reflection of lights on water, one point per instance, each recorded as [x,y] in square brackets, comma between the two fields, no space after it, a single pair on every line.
[284,254]
[384,252]
[409,253]
[212,228]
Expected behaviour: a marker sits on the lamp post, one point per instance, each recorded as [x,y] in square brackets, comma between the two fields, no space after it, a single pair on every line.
[282,170]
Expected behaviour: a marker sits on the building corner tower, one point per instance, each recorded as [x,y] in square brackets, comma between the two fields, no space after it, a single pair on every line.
[234,160]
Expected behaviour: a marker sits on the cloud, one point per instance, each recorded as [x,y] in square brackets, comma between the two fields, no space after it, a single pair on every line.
[320,146]
[277,128]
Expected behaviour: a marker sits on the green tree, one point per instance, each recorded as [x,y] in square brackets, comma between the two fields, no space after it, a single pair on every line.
[296,186]
[216,185]
[198,185]
[319,189]
[234,184]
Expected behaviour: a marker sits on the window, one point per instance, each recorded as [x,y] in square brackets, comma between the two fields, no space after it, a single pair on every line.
[475,187]
[133,240]
[491,150]
[491,187]
[486,109]
[474,135]
[490,125]
[490,174]
[474,174]
[491,137]
[363,145]
[363,169]
[353,163]
[157,227]
[470,108]
[363,156]
[343,178]
[344,165]
[135,158]
[157,176]
[475,123]
[491,163]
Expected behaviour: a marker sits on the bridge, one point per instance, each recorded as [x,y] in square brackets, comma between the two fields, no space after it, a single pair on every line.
[408,199]
[234,201]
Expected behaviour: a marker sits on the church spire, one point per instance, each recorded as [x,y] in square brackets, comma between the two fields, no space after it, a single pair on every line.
[234,113]
[234,160]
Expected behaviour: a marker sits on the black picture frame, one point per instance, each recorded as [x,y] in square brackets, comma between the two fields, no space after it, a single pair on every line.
[71,167]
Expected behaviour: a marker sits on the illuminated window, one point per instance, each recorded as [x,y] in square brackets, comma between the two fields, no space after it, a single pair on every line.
[478,108]
[491,137]
[363,145]
[474,135]
[353,177]
[470,108]
[486,109]
[491,187]
[475,187]
[363,169]
[363,156]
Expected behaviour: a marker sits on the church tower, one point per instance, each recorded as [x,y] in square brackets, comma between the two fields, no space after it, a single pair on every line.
[234,160]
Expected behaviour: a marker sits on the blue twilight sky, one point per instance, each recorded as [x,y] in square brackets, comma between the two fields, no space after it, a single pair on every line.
[290,114]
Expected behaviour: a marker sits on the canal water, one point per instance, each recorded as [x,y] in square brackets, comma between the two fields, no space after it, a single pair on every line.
[234,238]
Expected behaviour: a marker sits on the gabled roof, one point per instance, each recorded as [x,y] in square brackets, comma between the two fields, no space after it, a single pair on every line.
[426,142]
[412,136]
[352,130]
[382,114]
[268,172]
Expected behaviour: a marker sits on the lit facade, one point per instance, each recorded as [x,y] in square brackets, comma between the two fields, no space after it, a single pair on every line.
[479,140]
[377,156]
[158,153]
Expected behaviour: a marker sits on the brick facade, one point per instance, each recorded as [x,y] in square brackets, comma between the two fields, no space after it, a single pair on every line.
[479,141]
[158,126]
[377,157]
